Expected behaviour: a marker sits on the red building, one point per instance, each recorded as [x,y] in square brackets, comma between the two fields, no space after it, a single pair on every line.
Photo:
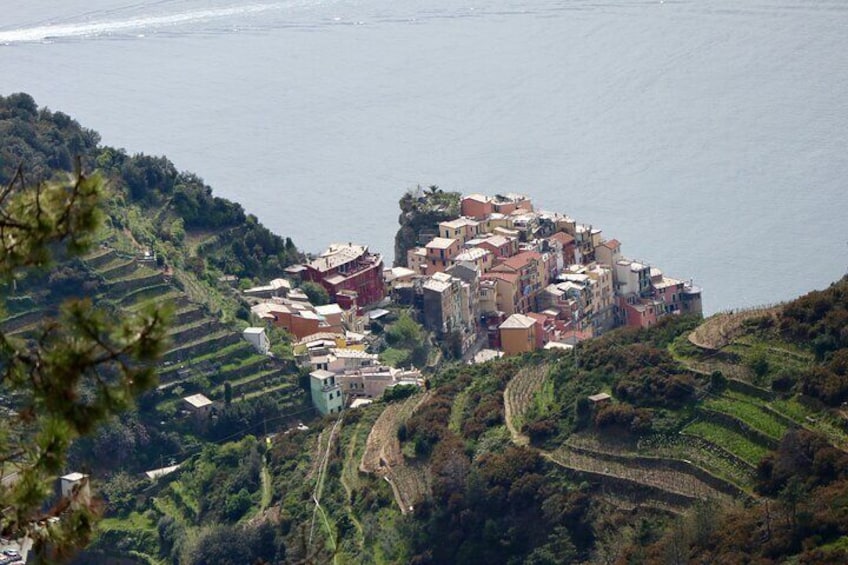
[348,268]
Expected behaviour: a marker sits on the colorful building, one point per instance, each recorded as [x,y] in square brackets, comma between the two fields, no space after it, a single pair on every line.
[520,334]
[326,392]
[351,268]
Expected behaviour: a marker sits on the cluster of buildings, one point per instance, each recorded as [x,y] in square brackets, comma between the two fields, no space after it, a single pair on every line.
[524,278]
[331,339]
[501,276]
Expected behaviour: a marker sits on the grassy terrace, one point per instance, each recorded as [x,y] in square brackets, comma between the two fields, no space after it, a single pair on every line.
[152,292]
[748,410]
[728,439]
[165,293]
[279,388]
[707,456]
[203,345]
[259,373]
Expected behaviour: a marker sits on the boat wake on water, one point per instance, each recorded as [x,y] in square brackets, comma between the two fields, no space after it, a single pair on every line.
[105,23]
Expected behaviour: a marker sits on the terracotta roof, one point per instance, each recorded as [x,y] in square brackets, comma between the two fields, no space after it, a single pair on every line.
[611,244]
[562,237]
[510,277]
[538,317]
[517,261]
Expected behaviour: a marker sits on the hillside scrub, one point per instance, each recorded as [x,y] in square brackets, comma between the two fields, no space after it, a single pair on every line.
[421,212]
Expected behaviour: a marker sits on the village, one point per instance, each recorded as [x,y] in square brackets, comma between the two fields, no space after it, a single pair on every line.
[501,279]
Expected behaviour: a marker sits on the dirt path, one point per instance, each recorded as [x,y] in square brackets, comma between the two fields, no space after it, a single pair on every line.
[719,330]
[383,455]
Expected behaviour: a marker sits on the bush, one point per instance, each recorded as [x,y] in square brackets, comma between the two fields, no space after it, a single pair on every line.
[718,382]
[399,392]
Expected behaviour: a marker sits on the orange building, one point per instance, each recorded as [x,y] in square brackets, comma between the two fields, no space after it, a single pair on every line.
[519,334]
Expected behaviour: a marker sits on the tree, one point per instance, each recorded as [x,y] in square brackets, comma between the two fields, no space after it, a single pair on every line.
[316,293]
[77,371]
[228,393]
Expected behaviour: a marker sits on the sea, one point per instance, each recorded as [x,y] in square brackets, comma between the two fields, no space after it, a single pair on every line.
[710,137]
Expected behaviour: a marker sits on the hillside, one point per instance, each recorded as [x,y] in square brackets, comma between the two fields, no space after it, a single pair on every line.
[701,455]
[164,240]
[719,440]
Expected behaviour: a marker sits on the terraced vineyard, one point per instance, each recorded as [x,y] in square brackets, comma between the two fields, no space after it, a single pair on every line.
[518,397]
[383,456]
[666,484]
[745,420]
[734,442]
[201,347]
[675,484]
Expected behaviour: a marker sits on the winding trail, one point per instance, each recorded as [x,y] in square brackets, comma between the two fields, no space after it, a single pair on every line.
[383,455]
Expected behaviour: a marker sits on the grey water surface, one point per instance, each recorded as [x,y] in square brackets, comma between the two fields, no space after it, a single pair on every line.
[709,136]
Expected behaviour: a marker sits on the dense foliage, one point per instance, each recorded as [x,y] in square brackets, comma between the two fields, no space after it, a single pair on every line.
[819,320]
[171,206]
[79,368]
[808,518]
[649,386]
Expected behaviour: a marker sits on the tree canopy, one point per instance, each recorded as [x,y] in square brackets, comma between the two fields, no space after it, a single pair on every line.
[78,370]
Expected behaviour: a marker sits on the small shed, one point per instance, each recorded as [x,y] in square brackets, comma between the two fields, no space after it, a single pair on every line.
[600,399]
[198,405]
[75,486]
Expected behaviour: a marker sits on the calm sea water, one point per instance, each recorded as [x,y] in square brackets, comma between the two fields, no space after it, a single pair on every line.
[709,136]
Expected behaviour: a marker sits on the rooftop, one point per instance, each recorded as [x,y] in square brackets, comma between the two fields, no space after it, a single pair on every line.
[460,222]
[521,260]
[329,309]
[509,277]
[558,345]
[198,400]
[320,336]
[321,374]
[353,354]
[517,321]
[254,331]
[562,237]
[472,254]
[438,284]
[338,254]
[611,244]
[497,240]
[440,243]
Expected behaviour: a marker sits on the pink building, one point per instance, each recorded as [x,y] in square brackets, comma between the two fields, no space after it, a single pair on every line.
[476,206]
[440,254]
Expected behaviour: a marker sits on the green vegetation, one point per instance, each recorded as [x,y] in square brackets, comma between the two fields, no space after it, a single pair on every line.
[506,462]
[82,367]
[420,211]
[748,410]
[407,342]
[728,439]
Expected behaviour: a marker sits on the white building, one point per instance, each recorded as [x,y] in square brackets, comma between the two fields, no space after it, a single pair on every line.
[258,339]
